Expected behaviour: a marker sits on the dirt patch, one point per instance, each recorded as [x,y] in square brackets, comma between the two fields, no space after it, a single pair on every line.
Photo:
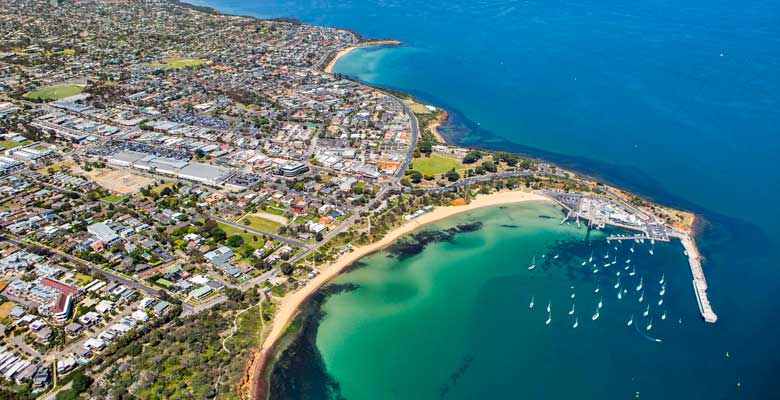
[119,181]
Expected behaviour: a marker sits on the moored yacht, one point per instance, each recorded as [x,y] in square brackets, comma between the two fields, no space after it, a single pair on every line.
[532,302]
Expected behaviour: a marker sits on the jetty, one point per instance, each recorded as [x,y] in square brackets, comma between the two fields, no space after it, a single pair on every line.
[699,282]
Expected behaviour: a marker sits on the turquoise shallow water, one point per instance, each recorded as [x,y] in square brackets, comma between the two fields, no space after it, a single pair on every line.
[676,100]
[454,320]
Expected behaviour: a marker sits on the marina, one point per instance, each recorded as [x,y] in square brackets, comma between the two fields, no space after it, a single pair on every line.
[603,211]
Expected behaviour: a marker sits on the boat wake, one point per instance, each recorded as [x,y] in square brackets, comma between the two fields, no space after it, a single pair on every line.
[657,340]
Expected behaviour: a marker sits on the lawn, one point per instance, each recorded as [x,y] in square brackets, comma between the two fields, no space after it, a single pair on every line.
[247,236]
[179,63]
[55,92]
[436,164]
[84,279]
[261,223]
[10,144]
[112,198]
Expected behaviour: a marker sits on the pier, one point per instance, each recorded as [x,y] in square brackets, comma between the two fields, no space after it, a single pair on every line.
[699,282]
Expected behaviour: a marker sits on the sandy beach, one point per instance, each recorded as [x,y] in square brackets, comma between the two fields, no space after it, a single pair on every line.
[289,305]
[344,52]
[434,127]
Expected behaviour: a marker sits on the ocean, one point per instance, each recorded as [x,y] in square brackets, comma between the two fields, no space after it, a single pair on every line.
[677,101]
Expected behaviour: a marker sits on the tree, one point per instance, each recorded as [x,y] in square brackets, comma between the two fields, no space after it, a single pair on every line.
[426,148]
[472,157]
[453,175]
[218,234]
[234,294]
[81,382]
[235,241]
[415,176]
[489,166]
[286,268]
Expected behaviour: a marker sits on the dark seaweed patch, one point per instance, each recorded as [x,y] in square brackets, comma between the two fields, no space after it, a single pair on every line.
[509,226]
[300,371]
[408,246]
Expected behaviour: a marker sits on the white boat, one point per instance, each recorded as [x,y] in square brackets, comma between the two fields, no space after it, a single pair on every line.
[650,325]
[620,295]
[628,261]
[533,264]
[606,256]
[607,264]
[639,286]
[549,319]
[617,273]
[614,261]
[601,302]
[662,292]
[596,290]
[616,248]
[632,249]
[576,322]
[630,321]
[573,295]
[625,268]
[633,272]
[661,302]
[596,315]
[647,311]
[590,259]
[651,251]
[532,302]
[663,316]
[595,270]
[617,285]
[571,312]
[663,279]
[583,263]
[549,306]
[642,297]
[556,256]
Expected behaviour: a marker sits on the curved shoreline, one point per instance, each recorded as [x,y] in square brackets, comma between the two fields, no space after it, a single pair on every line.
[290,304]
[344,52]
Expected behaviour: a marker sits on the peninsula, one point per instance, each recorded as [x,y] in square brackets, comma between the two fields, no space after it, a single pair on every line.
[176,182]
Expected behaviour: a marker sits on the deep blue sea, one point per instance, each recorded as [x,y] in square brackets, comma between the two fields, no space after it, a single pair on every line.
[676,100]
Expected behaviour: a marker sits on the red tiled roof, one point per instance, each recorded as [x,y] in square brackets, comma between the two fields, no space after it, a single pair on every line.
[64,288]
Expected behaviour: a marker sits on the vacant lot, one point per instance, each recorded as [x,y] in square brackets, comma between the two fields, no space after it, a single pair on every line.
[10,144]
[119,181]
[179,63]
[6,308]
[436,164]
[55,92]
[264,221]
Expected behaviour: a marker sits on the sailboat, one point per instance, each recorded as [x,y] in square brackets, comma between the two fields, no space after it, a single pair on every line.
[620,295]
[549,319]
[606,256]
[642,296]
[661,301]
[590,259]
[583,263]
[647,311]
[576,322]
[595,270]
[650,325]
[617,285]
[651,249]
[663,291]
[556,256]
[633,272]
[617,273]
[661,282]
[614,261]
[533,264]
[549,306]
[632,248]
[601,302]
[532,302]
[573,295]
[596,315]
[663,316]
[596,290]
[628,261]
[630,321]
[571,312]
[639,287]
[626,267]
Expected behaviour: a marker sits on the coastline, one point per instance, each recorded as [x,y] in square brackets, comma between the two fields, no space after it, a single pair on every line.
[290,304]
[434,126]
[344,52]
